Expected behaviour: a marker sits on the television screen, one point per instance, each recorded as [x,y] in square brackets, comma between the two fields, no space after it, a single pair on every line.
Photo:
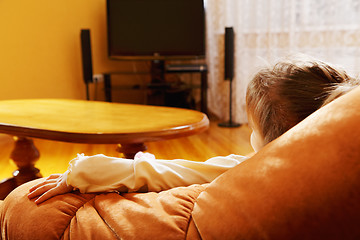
[156,29]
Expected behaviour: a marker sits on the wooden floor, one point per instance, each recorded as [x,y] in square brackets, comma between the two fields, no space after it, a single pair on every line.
[54,156]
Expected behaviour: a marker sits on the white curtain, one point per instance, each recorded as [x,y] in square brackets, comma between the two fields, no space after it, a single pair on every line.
[266,30]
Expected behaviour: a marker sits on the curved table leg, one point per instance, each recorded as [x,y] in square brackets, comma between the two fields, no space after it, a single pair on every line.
[24,155]
[130,149]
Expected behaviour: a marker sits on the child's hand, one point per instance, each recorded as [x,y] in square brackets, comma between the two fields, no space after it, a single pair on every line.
[54,185]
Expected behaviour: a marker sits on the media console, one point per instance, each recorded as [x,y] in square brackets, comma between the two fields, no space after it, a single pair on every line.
[158,71]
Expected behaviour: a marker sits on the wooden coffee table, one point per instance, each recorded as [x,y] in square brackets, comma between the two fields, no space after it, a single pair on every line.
[77,121]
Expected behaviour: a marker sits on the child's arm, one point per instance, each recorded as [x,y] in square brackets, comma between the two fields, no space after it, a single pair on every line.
[100,173]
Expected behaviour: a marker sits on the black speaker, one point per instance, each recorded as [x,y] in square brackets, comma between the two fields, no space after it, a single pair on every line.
[229,72]
[229,53]
[86,56]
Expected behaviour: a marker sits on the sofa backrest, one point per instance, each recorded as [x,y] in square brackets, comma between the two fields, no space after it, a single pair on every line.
[303,185]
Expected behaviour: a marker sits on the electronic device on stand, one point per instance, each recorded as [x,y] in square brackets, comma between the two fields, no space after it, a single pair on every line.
[229,72]
[86,58]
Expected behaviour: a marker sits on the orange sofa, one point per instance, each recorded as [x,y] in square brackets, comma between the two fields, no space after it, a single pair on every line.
[303,185]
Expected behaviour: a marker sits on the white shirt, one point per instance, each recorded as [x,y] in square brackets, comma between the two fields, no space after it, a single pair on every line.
[100,173]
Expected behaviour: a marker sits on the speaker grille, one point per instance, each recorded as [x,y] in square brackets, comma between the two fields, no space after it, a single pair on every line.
[86,55]
[229,53]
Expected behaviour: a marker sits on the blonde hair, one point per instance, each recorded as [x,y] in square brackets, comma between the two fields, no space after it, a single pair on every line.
[337,90]
[281,96]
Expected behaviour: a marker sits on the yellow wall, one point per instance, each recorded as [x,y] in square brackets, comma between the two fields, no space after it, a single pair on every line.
[40,54]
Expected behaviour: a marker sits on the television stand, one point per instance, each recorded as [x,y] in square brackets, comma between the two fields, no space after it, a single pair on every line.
[158,84]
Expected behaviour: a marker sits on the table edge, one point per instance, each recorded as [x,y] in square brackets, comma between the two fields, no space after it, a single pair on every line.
[107,138]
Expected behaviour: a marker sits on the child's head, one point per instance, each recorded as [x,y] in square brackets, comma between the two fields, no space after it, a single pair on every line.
[281,96]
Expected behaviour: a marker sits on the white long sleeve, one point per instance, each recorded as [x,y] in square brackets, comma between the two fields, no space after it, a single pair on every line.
[100,173]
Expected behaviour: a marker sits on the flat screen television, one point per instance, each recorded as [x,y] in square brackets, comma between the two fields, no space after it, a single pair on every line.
[156,29]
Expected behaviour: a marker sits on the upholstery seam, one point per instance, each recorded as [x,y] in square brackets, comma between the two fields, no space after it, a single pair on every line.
[68,225]
[112,230]
[191,216]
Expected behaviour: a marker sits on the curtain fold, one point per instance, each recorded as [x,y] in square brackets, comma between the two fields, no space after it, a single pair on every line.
[266,30]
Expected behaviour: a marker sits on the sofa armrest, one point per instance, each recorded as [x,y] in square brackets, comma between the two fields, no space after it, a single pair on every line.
[303,185]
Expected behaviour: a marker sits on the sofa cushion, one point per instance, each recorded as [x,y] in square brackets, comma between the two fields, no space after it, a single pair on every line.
[304,185]
[163,215]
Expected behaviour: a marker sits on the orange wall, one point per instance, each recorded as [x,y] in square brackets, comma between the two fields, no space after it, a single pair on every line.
[40,54]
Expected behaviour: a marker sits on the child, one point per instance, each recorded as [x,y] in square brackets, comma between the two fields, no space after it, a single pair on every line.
[277,99]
